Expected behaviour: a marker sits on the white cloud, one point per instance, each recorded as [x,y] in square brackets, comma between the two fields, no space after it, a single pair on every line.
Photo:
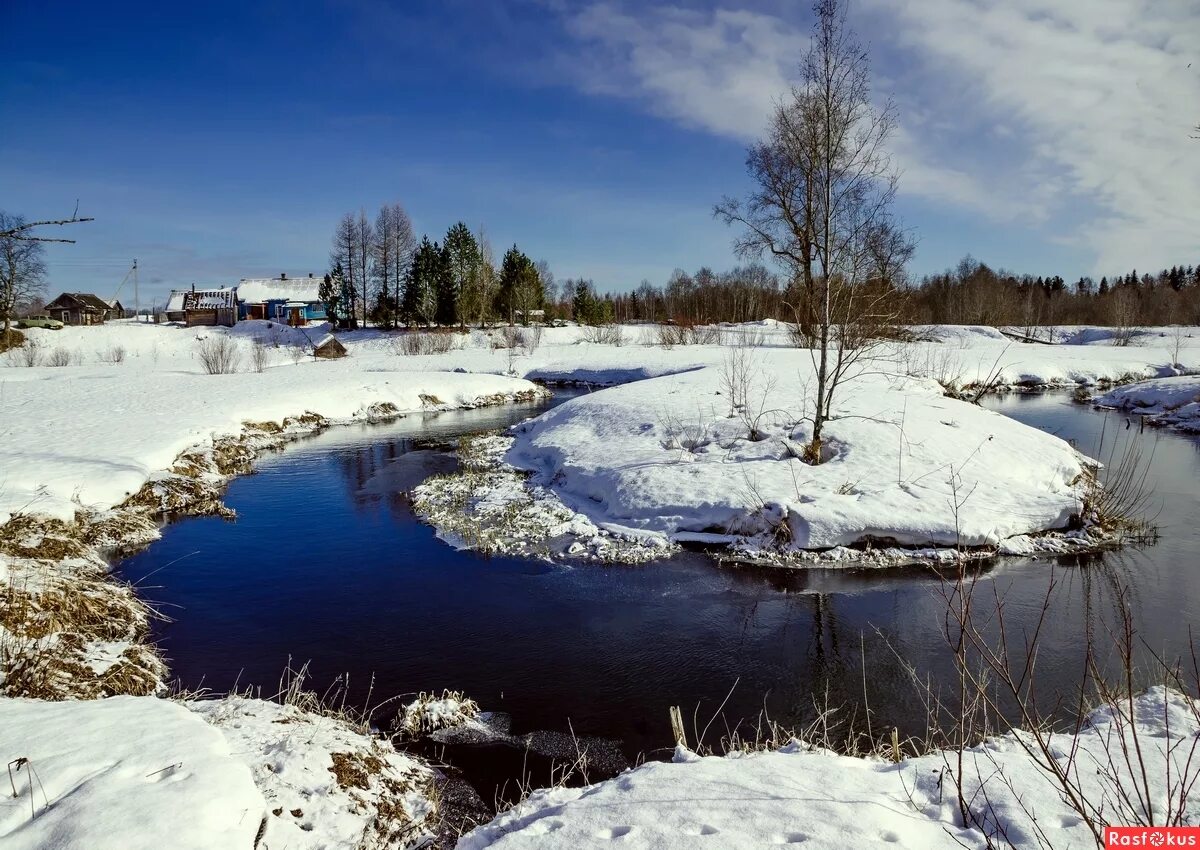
[1068,115]
[1098,92]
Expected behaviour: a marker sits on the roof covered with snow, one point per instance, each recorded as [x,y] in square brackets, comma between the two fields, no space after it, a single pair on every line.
[208,299]
[261,290]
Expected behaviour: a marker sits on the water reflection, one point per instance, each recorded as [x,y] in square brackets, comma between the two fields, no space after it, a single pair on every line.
[326,562]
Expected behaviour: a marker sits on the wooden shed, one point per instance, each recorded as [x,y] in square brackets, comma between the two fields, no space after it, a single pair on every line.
[330,348]
[210,307]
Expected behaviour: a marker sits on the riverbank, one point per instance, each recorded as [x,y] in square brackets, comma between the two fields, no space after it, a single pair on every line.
[194,476]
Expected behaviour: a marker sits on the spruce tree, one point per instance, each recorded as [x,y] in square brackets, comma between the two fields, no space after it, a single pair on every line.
[464,259]
[330,292]
[445,287]
[420,294]
[520,287]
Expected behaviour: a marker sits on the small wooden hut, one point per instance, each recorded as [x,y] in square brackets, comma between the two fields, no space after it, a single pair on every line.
[329,348]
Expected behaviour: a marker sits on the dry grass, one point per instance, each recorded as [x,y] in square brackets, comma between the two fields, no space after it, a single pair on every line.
[51,620]
[430,712]
[13,339]
[41,538]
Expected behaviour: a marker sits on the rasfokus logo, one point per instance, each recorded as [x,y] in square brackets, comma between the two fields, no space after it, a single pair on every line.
[1151,836]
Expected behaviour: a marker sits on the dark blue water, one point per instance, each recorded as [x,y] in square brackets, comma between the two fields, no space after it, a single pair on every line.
[326,564]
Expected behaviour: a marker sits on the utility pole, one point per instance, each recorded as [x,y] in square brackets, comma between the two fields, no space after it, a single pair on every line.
[137,309]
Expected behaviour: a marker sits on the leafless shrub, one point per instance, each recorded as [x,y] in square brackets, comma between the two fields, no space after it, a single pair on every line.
[991,382]
[219,355]
[1118,496]
[1127,775]
[532,338]
[688,435]
[603,334]
[422,342]
[258,356]
[29,354]
[672,335]
[512,336]
[113,354]
[59,356]
[749,393]
[751,337]
[1175,338]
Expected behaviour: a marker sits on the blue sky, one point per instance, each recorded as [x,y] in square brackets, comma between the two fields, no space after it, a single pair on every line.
[223,140]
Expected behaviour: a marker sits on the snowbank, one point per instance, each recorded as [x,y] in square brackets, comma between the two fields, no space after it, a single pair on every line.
[906,464]
[798,795]
[1172,402]
[122,774]
[325,783]
[142,772]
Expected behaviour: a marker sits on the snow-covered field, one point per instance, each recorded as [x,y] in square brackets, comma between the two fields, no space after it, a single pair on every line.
[92,432]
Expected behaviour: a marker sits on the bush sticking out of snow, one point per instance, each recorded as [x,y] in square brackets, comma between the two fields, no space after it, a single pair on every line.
[219,355]
[429,712]
[603,334]
[421,342]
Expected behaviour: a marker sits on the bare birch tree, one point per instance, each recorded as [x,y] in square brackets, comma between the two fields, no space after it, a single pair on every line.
[344,253]
[391,252]
[364,240]
[22,267]
[825,184]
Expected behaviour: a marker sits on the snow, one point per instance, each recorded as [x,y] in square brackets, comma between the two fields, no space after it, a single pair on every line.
[290,754]
[121,774]
[93,434]
[141,772]
[803,795]
[261,290]
[126,420]
[1172,402]
[663,456]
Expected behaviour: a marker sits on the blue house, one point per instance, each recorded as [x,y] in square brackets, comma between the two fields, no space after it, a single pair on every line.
[292,300]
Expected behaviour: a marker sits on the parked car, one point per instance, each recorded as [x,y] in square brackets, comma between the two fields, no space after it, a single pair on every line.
[40,321]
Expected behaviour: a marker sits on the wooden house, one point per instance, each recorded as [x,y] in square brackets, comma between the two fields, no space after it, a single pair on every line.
[329,348]
[293,300]
[210,307]
[79,308]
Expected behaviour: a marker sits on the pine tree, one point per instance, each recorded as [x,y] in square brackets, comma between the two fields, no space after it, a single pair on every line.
[583,305]
[520,286]
[330,292]
[463,258]
[445,287]
[420,293]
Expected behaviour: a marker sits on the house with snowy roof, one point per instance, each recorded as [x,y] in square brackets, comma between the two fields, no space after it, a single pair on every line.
[294,300]
[210,307]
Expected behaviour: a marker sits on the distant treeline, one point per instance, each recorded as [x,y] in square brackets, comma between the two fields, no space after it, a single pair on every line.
[975,294]
[971,293]
[379,270]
